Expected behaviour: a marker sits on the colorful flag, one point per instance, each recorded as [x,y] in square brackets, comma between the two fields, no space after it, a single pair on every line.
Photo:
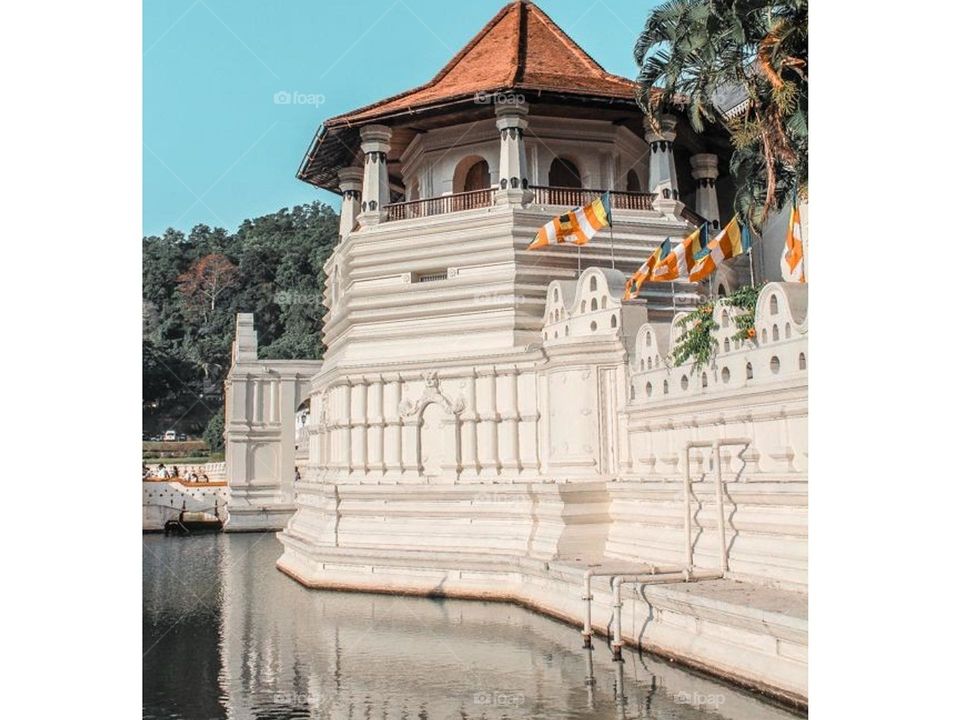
[578,226]
[791,263]
[644,271]
[732,241]
[683,258]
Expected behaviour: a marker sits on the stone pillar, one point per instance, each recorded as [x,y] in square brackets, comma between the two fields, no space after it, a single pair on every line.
[392,441]
[489,419]
[529,417]
[343,426]
[375,143]
[351,186]
[411,446]
[705,171]
[358,426]
[514,181]
[663,169]
[468,430]
[375,422]
[257,401]
[450,448]
[509,441]
[285,413]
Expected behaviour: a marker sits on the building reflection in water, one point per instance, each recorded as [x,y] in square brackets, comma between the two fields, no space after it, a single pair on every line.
[226,635]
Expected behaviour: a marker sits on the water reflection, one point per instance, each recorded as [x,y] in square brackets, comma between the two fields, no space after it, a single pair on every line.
[226,635]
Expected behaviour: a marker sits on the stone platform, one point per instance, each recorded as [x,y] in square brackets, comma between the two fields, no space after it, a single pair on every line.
[752,635]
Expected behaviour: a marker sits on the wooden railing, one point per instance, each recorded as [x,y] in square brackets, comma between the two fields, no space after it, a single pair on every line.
[440,205]
[542,195]
[578,197]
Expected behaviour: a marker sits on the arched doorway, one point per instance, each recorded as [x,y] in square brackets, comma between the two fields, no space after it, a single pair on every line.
[564,173]
[633,181]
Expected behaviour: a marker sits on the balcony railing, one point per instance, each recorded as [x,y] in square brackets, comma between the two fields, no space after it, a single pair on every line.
[440,205]
[578,197]
[542,195]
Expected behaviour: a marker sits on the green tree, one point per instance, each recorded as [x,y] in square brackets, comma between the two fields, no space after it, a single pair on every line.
[692,53]
[277,274]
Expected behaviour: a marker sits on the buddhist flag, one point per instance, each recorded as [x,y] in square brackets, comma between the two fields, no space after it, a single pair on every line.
[791,263]
[683,258]
[732,241]
[644,271]
[578,226]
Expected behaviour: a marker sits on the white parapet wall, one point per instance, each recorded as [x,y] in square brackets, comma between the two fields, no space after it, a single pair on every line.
[755,389]
[164,500]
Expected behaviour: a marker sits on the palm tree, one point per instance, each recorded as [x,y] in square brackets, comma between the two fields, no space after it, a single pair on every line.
[694,54]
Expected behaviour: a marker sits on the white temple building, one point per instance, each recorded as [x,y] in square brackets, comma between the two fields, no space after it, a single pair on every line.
[493,422]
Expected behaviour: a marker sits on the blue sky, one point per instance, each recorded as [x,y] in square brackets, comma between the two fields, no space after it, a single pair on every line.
[219,147]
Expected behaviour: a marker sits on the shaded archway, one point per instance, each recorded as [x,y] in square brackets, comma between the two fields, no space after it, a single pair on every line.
[564,173]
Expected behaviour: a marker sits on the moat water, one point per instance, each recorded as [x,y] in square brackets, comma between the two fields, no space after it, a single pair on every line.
[227,635]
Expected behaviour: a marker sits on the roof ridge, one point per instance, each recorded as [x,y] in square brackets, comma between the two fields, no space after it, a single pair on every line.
[484,31]
[569,42]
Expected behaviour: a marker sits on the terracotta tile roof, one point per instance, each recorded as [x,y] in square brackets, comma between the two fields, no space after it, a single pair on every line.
[520,48]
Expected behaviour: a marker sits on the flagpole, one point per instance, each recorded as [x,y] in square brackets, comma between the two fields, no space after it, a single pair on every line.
[613,263]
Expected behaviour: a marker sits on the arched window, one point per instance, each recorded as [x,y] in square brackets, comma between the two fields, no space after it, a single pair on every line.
[593,283]
[749,371]
[613,321]
[471,173]
[478,177]
[774,305]
[593,304]
[564,173]
[633,182]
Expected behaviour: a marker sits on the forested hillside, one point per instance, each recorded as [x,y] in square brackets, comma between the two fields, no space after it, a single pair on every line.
[194,285]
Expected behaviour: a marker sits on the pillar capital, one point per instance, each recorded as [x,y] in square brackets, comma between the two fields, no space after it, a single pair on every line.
[667,132]
[704,166]
[350,179]
[512,114]
[375,138]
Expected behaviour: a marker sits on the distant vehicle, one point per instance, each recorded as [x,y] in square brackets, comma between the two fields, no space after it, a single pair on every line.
[181,437]
[170,436]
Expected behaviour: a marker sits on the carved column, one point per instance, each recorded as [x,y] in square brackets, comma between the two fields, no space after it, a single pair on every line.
[375,424]
[529,417]
[358,426]
[392,441]
[663,169]
[509,441]
[351,186]
[704,169]
[343,426]
[375,143]
[489,419]
[257,401]
[514,181]
[468,429]
[450,449]
[411,446]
